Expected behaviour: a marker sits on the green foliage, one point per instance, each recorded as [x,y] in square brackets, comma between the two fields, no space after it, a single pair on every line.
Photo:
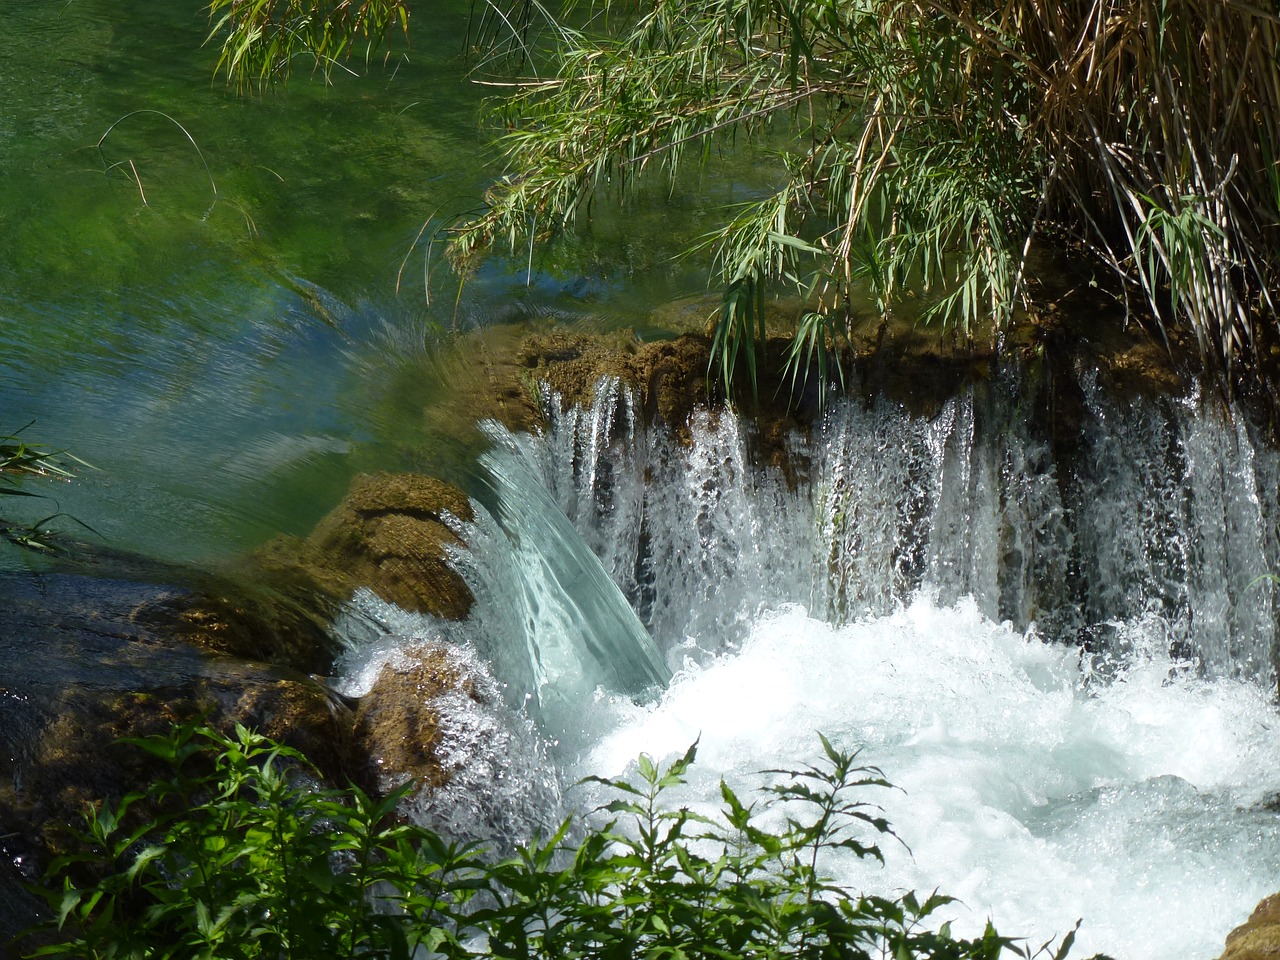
[923,147]
[237,853]
[916,148]
[262,38]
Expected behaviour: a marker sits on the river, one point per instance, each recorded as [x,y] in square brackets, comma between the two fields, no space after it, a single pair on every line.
[1067,667]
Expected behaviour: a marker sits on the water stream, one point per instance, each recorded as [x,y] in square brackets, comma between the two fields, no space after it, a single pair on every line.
[1068,676]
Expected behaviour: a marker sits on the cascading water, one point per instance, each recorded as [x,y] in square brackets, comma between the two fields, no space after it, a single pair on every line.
[1168,511]
[1067,666]
[542,584]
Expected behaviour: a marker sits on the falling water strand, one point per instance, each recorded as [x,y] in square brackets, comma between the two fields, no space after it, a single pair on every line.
[1176,517]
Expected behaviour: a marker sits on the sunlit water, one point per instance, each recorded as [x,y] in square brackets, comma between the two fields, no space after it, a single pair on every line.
[219,301]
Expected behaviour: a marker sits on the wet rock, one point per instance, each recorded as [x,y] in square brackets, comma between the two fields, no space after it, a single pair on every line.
[391,534]
[84,670]
[397,723]
[251,623]
[498,372]
[239,611]
[669,376]
[1258,938]
[895,357]
[486,380]
[435,718]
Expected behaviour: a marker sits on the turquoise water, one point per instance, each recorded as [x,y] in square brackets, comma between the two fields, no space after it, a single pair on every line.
[218,301]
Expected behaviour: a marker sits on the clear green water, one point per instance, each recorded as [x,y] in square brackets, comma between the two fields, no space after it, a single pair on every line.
[216,326]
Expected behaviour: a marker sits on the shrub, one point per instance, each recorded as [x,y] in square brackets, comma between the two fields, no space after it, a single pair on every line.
[240,854]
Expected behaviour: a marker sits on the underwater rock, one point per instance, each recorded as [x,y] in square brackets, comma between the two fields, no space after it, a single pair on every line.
[238,610]
[1258,938]
[252,623]
[92,660]
[391,534]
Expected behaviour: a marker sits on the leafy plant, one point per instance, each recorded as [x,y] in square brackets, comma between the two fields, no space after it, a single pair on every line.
[262,38]
[238,853]
[926,147]
[915,147]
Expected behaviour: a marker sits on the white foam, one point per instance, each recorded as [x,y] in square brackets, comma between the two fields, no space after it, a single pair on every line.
[1035,793]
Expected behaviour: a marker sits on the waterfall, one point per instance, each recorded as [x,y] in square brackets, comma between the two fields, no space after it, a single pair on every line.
[547,615]
[1168,511]
[1177,519]
[1058,639]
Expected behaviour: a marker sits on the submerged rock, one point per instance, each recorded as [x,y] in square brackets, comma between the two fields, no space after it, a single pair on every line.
[254,623]
[1258,938]
[92,660]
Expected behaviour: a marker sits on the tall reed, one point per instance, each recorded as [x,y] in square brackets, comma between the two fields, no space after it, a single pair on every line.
[929,147]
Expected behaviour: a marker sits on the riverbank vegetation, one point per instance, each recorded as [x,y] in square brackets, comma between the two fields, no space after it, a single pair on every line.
[923,154]
[237,853]
[262,40]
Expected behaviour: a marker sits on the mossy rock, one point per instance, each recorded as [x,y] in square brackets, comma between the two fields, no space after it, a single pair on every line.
[668,376]
[397,723]
[392,533]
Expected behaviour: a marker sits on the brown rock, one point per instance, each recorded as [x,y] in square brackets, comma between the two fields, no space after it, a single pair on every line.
[669,376]
[397,722]
[1258,938]
[391,534]
[408,494]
